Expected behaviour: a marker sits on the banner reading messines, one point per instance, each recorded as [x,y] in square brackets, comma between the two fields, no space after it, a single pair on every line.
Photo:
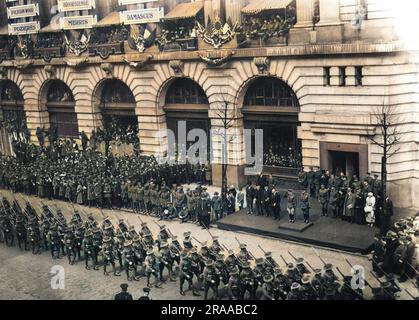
[141,16]
[75,5]
[78,22]
[72,19]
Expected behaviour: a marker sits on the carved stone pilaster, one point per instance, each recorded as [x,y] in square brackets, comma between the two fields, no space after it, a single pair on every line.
[3,73]
[50,70]
[262,63]
[177,66]
[108,68]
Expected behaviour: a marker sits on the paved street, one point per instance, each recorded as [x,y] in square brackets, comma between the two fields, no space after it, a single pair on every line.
[24,276]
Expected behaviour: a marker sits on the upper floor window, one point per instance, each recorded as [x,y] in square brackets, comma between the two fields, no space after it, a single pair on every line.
[358,76]
[270,92]
[342,76]
[115,91]
[186,91]
[11,92]
[59,92]
[326,76]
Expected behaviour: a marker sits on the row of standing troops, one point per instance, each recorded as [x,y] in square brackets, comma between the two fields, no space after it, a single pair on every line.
[140,254]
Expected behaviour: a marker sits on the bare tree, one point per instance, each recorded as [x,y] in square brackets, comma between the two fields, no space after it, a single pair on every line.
[386,137]
[225,116]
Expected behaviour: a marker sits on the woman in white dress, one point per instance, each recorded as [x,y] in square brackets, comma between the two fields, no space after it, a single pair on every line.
[369,209]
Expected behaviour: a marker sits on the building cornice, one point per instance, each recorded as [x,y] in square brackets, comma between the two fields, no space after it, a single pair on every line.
[296,51]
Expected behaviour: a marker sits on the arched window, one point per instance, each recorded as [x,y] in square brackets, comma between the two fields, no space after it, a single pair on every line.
[115,91]
[185,91]
[60,105]
[271,105]
[118,104]
[270,92]
[12,105]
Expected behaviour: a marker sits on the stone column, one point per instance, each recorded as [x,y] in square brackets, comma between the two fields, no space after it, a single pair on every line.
[329,13]
[233,10]
[329,28]
[305,12]
[214,9]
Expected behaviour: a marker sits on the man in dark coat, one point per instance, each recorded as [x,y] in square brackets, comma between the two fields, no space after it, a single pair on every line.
[386,216]
[276,204]
[124,294]
[250,196]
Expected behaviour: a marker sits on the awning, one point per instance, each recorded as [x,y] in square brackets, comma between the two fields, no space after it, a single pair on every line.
[54,26]
[51,28]
[111,19]
[185,10]
[258,6]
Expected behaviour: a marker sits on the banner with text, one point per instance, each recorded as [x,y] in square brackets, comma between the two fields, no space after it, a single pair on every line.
[78,22]
[76,5]
[24,28]
[141,16]
[127,2]
[29,10]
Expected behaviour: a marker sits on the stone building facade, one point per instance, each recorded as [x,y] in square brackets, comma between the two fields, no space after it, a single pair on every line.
[340,59]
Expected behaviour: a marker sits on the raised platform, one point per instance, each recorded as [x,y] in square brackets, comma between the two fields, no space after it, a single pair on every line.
[323,231]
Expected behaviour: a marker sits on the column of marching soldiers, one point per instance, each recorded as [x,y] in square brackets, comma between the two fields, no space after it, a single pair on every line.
[117,247]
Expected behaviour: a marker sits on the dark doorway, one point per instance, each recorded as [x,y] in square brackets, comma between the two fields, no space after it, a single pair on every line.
[346,162]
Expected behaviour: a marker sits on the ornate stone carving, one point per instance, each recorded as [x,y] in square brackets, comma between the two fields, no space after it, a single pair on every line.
[108,68]
[141,41]
[217,34]
[216,59]
[262,63]
[3,73]
[177,66]
[138,64]
[23,47]
[50,70]
[77,46]
[23,65]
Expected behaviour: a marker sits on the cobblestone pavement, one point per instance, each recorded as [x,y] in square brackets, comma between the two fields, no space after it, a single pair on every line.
[25,276]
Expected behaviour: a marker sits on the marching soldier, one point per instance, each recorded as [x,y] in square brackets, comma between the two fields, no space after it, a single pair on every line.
[54,242]
[248,281]
[163,236]
[128,259]
[234,284]
[295,293]
[21,233]
[108,256]
[166,261]
[151,268]
[281,284]
[306,290]
[78,240]
[268,289]
[87,246]
[69,242]
[187,241]
[97,246]
[175,249]
[211,279]
[186,273]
